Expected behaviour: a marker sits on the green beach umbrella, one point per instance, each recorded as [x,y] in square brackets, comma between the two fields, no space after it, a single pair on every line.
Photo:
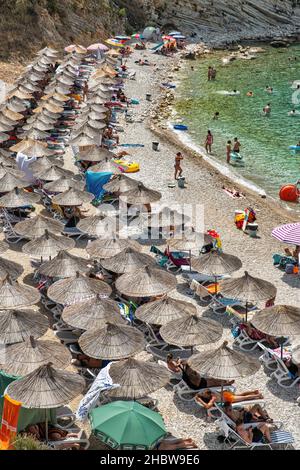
[127,424]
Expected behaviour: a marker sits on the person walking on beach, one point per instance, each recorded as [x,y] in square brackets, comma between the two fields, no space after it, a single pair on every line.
[236,145]
[177,166]
[209,73]
[228,151]
[209,141]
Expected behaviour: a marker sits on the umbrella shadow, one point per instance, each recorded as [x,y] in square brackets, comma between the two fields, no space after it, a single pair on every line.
[223,319]
[189,408]
[28,280]
[210,440]
[17,247]
[285,394]
[291,280]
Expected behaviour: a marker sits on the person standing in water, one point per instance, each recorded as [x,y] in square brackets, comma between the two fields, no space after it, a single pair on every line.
[228,151]
[236,145]
[216,115]
[213,73]
[177,166]
[209,73]
[267,109]
[209,141]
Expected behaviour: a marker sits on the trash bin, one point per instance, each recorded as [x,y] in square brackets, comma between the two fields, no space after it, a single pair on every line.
[181,182]
[155,146]
[252,229]
[148,96]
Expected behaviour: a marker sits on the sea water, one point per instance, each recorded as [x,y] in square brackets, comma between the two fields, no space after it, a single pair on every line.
[265,141]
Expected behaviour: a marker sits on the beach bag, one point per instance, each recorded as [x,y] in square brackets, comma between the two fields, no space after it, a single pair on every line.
[289,269]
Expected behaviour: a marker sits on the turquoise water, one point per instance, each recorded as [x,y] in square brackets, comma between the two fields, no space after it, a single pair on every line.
[265,140]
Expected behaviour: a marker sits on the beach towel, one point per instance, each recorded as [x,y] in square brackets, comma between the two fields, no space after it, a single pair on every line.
[96,181]
[23,163]
[132,145]
[234,196]
[101,383]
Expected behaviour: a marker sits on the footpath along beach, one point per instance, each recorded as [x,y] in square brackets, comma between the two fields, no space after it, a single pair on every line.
[204,189]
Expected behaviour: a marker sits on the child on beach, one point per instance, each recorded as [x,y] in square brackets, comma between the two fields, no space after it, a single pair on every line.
[237,145]
[228,151]
[209,141]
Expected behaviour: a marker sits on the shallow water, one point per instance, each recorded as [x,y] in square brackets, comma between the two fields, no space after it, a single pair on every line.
[265,140]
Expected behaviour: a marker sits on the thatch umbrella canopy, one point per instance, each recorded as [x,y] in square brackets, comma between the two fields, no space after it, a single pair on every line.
[140,195]
[248,288]
[224,363]
[167,218]
[35,227]
[27,143]
[46,388]
[73,197]
[44,164]
[77,289]
[191,331]
[148,281]
[279,320]
[120,184]
[4,169]
[36,134]
[4,246]
[92,225]
[15,295]
[106,166]
[165,310]
[9,182]
[108,247]
[129,260]
[53,173]
[112,342]
[63,184]
[92,314]
[94,154]
[10,268]
[18,198]
[137,378]
[64,265]
[189,240]
[47,245]
[83,140]
[216,263]
[18,325]
[23,358]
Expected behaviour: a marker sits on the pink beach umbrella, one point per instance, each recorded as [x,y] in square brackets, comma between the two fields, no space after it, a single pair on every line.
[289,233]
[98,47]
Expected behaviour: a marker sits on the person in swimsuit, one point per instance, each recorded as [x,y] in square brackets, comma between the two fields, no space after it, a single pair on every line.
[196,382]
[236,145]
[209,141]
[209,73]
[254,433]
[177,166]
[176,444]
[228,151]
[173,364]
[249,414]
[208,398]
[267,109]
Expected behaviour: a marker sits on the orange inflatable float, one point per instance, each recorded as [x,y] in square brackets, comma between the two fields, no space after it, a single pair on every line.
[289,193]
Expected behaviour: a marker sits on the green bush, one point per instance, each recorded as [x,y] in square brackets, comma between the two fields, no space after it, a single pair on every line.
[122,12]
[28,442]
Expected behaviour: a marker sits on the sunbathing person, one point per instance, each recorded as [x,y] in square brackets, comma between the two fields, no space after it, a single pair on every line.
[38,431]
[207,398]
[85,361]
[177,444]
[259,433]
[257,335]
[196,382]
[292,368]
[250,414]
[234,192]
[173,364]
[293,253]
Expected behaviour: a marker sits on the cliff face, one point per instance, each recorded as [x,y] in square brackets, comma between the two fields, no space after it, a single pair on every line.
[217,16]
[28,25]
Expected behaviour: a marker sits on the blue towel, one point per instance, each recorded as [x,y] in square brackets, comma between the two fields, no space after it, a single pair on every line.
[132,145]
[96,181]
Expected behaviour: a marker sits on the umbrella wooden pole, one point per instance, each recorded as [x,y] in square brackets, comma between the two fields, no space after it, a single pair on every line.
[246,311]
[190,255]
[216,286]
[46,426]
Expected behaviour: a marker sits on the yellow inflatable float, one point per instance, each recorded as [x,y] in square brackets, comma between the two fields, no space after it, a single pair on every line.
[127,166]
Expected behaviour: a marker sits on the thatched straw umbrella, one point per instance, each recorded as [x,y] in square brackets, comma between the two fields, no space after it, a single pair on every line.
[216,263]
[140,195]
[136,379]
[13,270]
[165,310]
[44,164]
[64,265]
[128,261]
[9,182]
[4,246]
[92,314]
[47,245]
[46,388]
[72,197]
[53,173]
[18,198]
[191,331]
[12,170]
[94,154]
[189,240]
[23,358]
[36,226]
[106,166]
[63,184]
[14,295]
[92,226]
[224,363]
[18,325]
[120,184]
[169,220]
[108,247]
[148,281]
[83,140]
[112,342]
[279,320]
[248,288]
[77,289]
[38,150]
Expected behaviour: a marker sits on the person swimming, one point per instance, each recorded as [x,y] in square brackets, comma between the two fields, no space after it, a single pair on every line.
[249,93]
[267,109]
[269,89]
[216,115]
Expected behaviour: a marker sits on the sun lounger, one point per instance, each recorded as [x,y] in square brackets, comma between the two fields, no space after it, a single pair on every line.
[161,351]
[283,376]
[279,438]
[219,408]
[73,232]
[186,393]
[66,443]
